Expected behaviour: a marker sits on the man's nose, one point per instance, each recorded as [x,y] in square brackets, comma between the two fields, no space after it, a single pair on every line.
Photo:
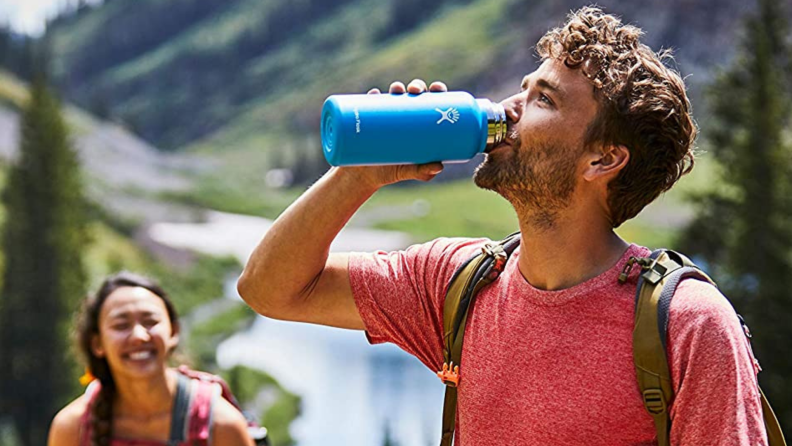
[513,105]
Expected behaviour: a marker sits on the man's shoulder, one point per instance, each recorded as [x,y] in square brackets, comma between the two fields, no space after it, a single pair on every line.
[700,304]
[442,250]
[697,301]
[453,243]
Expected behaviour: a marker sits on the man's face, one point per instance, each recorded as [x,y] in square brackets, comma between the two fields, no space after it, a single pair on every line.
[537,168]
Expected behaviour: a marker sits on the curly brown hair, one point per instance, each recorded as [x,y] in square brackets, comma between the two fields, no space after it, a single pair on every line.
[642,105]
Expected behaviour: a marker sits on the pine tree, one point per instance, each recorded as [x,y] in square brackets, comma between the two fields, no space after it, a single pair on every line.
[744,230]
[44,277]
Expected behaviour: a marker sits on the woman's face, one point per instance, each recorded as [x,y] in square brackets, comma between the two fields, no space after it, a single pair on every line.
[135,333]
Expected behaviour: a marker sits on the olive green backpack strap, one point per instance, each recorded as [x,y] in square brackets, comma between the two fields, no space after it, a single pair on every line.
[473,275]
[661,274]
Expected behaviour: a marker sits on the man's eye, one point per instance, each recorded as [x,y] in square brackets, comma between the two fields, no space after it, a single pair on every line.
[545,99]
[120,327]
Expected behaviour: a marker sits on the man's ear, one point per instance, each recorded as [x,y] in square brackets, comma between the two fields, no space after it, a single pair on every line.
[96,347]
[606,163]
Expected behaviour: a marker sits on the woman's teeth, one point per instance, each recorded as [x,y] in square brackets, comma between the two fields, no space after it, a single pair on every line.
[137,356]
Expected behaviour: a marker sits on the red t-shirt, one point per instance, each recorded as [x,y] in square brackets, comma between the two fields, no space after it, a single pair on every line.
[556,367]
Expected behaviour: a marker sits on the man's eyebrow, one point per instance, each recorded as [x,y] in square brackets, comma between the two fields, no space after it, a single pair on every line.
[547,85]
[543,84]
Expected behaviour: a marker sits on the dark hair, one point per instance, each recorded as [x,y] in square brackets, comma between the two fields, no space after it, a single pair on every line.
[88,327]
[643,105]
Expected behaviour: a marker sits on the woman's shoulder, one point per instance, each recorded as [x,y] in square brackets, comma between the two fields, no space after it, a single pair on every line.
[65,428]
[229,425]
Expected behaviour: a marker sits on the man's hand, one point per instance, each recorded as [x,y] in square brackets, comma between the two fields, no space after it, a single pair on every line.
[378,176]
[291,274]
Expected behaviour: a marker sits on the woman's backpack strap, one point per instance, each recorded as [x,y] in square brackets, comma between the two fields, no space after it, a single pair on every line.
[180,411]
[86,425]
[477,272]
[256,432]
[192,411]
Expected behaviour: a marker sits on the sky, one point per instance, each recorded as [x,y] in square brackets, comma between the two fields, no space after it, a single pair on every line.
[29,16]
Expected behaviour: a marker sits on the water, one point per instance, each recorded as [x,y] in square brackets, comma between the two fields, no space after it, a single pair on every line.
[351,392]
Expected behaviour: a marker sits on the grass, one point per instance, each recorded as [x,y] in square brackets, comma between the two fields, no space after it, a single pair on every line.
[206,337]
[455,209]
[13,92]
[283,406]
[461,209]
[427,52]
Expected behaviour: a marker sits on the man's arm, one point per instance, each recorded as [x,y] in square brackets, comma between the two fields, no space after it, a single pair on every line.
[291,274]
[716,395]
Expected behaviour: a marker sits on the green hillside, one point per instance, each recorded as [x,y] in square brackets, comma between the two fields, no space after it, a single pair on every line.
[250,76]
[241,82]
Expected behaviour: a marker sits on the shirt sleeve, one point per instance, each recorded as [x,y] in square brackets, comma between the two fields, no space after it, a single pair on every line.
[716,400]
[400,294]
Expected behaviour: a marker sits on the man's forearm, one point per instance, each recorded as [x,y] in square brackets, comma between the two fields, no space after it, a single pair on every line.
[294,251]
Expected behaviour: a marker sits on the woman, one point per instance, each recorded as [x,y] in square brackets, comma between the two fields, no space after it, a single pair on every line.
[127,332]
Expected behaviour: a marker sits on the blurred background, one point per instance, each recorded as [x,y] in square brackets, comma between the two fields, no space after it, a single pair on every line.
[163,136]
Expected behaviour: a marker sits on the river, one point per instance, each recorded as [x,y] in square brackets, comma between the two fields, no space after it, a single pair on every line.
[351,392]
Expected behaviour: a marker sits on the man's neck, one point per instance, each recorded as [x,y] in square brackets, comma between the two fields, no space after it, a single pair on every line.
[146,397]
[570,252]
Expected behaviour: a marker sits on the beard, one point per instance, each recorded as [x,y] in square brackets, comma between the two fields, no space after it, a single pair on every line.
[538,180]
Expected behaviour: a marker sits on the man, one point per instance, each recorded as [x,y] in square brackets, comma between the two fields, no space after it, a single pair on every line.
[599,131]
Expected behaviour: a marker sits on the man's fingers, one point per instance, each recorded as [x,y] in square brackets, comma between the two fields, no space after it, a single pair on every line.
[428,171]
[374,91]
[438,86]
[397,88]
[417,86]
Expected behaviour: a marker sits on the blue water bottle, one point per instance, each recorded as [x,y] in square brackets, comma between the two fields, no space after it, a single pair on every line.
[374,129]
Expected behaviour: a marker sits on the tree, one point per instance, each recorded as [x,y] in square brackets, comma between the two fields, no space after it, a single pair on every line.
[744,230]
[43,238]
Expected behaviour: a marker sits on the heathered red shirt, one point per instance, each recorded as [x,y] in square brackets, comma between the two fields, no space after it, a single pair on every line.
[556,367]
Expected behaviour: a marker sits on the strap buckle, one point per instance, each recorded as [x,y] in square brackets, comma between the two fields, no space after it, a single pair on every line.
[449,375]
[654,401]
[643,262]
[499,258]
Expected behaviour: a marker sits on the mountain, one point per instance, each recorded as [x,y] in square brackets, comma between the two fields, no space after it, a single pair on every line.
[245,79]
[123,172]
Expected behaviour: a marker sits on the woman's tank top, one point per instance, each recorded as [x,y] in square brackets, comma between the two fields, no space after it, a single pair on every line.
[190,420]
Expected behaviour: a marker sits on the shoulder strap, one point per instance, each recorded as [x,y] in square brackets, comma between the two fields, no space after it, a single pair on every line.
[653,299]
[181,407]
[661,275]
[86,426]
[225,390]
[257,432]
[477,272]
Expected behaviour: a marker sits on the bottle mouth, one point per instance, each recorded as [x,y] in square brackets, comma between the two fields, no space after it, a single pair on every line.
[496,124]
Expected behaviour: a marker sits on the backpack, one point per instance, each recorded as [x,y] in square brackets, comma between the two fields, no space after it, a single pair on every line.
[257,433]
[183,428]
[661,274]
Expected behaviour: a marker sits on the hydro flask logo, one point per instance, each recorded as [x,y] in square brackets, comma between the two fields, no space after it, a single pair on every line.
[451,115]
